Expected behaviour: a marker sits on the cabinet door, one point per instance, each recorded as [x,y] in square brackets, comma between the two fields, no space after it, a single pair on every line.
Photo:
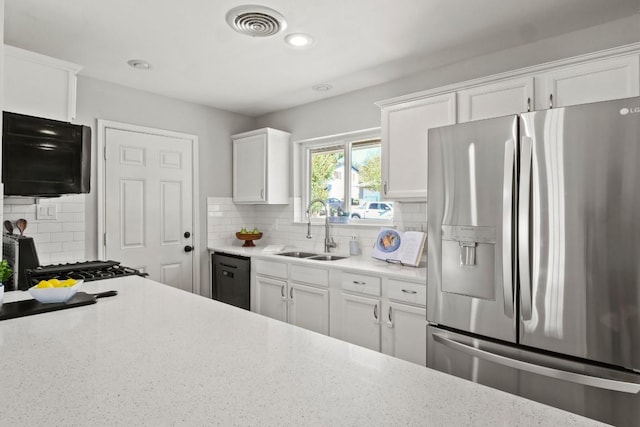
[404,333]
[404,144]
[360,322]
[38,85]
[272,298]
[309,308]
[589,82]
[498,99]
[250,168]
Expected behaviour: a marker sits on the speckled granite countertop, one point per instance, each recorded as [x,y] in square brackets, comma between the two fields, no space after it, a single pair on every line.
[354,263]
[154,355]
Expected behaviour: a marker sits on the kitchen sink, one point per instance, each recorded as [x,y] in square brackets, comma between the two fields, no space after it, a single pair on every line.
[298,254]
[327,257]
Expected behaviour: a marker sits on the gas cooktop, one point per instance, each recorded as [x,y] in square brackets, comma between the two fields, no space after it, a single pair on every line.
[87,271]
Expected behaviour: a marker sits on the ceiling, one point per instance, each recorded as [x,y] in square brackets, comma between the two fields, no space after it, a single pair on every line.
[196,57]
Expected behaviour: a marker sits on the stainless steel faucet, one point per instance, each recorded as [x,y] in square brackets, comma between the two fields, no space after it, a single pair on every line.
[328,241]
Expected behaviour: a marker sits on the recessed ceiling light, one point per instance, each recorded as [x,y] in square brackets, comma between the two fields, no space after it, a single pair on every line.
[139,64]
[298,39]
[322,87]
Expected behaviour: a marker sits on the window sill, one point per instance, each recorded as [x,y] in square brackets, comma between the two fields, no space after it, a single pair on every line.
[360,223]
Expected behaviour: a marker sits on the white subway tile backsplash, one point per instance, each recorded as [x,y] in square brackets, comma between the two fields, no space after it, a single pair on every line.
[49,235]
[277,224]
[23,209]
[72,246]
[49,248]
[49,227]
[61,237]
[73,207]
[42,238]
[60,257]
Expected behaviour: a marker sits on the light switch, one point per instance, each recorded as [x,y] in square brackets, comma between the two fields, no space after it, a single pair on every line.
[46,212]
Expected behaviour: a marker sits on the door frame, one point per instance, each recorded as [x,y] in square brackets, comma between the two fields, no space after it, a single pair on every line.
[103,125]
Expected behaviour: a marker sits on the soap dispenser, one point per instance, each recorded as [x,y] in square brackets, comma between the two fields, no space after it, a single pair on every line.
[354,246]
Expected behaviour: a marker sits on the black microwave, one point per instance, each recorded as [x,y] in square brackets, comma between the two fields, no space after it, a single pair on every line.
[43,157]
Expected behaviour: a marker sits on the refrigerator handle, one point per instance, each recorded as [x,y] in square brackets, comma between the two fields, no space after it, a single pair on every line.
[559,374]
[507,226]
[523,227]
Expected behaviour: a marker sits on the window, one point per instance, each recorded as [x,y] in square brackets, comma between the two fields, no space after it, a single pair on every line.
[345,172]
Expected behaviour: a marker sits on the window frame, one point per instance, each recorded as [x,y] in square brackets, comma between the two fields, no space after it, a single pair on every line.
[345,140]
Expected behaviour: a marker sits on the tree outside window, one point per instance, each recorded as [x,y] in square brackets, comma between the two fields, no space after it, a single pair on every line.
[346,188]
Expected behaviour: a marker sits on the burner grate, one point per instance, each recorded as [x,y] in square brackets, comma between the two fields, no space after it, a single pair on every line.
[87,271]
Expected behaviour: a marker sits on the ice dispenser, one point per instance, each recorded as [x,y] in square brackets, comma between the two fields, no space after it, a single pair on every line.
[468,260]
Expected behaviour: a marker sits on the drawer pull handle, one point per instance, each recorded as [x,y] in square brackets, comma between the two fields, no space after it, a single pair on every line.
[357,282]
[406,291]
[228,265]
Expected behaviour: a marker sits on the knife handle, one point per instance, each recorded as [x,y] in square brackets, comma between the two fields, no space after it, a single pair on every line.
[105,294]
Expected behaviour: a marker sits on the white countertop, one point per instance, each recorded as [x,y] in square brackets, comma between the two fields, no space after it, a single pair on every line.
[154,355]
[359,263]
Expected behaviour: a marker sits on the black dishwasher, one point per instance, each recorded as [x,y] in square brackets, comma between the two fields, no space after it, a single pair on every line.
[231,279]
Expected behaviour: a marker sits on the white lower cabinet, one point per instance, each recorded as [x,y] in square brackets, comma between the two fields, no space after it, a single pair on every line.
[380,313]
[301,304]
[384,314]
[404,332]
[272,301]
[360,320]
[309,307]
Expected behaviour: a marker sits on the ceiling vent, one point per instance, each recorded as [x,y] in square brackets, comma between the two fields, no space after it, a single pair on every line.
[256,21]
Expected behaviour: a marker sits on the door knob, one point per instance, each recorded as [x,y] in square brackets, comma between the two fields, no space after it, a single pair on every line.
[187,234]
[188,248]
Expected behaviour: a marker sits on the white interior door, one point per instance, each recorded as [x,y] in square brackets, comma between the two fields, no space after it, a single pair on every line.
[149,203]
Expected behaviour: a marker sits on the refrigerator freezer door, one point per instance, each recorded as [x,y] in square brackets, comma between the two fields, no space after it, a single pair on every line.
[604,394]
[584,232]
[471,200]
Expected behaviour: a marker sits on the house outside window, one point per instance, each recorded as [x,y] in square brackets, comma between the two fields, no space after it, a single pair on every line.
[348,194]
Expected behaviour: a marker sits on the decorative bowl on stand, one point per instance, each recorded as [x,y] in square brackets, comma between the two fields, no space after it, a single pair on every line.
[248,238]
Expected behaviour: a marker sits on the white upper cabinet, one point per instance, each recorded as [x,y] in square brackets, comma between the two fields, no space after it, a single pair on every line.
[497,99]
[601,76]
[261,167]
[592,81]
[38,85]
[404,143]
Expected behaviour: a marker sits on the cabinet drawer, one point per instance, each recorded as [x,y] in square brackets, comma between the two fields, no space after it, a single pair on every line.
[271,268]
[311,275]
[361,283]
[413,293]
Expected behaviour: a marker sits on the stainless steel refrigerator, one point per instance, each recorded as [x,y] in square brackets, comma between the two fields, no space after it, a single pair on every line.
[534,256]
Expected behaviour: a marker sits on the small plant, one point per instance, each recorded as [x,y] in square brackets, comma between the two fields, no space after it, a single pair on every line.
[5,271]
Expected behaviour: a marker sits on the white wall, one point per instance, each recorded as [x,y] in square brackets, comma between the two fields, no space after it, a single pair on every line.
[102,100]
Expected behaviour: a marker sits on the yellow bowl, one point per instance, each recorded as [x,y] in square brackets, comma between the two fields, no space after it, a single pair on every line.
[49,295]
